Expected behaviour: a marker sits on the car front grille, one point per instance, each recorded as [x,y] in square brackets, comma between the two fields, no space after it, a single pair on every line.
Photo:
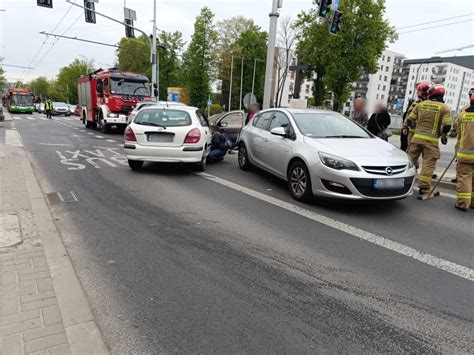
[126,109]
[385,170]
[366,188]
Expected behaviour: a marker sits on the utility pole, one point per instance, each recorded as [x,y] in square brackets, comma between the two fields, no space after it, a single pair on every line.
[241,83]
[231,79]
[271,53]
[154,70]
[253,80]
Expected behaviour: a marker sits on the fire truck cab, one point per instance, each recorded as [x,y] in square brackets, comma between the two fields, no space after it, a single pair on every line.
[107,97]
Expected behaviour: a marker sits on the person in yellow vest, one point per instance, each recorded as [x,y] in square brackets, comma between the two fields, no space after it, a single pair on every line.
[48,107]
[408,125]
[433,120]
[465,158]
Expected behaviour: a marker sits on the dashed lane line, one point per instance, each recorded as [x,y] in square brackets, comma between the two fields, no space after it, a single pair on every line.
[448,266]
[111,141]
[100,137]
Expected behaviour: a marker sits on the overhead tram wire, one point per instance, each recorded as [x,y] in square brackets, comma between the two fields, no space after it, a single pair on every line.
[438,26]
[434,21]
[26,72]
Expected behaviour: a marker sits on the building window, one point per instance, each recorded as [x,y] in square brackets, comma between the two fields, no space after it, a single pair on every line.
[384,87]
[380,77]
[388,59]
[377,97]
[378,87]
[383,57]
[383,97]
[385,78]
[386,68]
[381,67]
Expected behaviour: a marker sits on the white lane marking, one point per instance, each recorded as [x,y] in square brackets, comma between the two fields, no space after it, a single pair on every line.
[90,133]
[17,118]
[111,141]
[31,118]
[448,266]
[12,137]
[56,144]
[76,128]
[100,137]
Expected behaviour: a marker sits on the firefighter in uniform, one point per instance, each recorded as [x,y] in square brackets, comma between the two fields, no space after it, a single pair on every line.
[433,120]
[422,90]
[465,157]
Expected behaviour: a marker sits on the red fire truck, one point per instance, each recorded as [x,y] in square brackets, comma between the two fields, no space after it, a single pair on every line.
[107,97]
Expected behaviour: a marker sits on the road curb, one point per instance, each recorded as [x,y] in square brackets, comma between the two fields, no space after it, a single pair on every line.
[82,332]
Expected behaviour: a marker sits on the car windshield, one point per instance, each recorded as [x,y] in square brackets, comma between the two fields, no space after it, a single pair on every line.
[328,125]
[60,104]
[123,87]
[163,118]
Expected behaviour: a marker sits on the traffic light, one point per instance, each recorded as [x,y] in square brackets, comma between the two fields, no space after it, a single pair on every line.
[324,8]
[129,31]
[334,27]
[89,11]
[45,3]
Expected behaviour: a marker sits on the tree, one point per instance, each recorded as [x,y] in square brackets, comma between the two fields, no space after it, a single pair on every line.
[2,79]
[284,55]
[199,59]
[134,55]
[40,87]
[340,60]
[65,85]
[171,46]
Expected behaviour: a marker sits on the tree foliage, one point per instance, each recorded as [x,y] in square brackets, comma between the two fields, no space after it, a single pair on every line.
[134,55]
[40,87]
[240,38]
[340,60]
[2,79]
[199,59]
[286,41]
[64,88]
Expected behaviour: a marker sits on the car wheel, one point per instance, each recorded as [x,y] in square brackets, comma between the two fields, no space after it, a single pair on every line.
[201,166]
[104,127]
[135,164]
[243,158]
[299,182]
[88,124]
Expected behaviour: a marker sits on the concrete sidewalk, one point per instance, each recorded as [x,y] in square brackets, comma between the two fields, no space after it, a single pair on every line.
[43,309]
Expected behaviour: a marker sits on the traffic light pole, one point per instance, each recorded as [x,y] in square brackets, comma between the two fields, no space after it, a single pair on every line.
[152,48]
[271,54]
[154,67]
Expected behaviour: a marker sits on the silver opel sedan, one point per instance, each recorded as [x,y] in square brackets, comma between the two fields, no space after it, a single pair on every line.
[323,153]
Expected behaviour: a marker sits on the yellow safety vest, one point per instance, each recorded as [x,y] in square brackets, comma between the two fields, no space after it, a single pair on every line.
[465,128]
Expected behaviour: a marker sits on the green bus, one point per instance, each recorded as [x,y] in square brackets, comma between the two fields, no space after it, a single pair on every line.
[20,100]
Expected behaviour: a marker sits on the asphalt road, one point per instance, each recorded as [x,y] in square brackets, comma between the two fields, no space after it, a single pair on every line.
[176,262]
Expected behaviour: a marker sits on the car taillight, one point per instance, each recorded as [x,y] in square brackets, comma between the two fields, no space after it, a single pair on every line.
[193,136]
[129,135]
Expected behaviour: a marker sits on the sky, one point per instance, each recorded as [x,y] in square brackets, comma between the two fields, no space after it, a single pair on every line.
[21,44]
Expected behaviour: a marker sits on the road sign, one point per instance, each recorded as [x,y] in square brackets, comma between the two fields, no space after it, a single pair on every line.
[129,30]
[209,102]
[130,14]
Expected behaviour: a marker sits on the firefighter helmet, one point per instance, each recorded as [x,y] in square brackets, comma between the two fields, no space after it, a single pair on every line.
[424,86]
[436,90]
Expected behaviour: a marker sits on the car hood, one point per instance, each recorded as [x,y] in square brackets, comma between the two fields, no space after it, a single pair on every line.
[356,147]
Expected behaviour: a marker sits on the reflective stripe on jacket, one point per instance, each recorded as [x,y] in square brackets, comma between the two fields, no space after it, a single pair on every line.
[430,117]
[465,129]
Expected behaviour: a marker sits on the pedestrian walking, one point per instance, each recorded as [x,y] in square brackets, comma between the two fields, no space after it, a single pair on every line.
[48,106]
[379,122]
[253,110]
[465,158]
[359,114]
[433,121]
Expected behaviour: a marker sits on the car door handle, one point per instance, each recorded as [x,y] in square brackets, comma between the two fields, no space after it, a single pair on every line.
[265,139]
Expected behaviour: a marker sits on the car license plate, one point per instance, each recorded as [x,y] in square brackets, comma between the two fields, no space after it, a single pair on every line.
[160,137]
[388,184]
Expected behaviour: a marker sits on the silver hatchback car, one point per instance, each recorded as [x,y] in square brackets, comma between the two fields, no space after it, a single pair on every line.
[323,153]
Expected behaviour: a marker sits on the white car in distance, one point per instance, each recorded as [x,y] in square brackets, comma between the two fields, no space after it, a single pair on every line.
[161,134]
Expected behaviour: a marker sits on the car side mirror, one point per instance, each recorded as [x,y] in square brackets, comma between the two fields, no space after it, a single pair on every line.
[279,131]
[223,124]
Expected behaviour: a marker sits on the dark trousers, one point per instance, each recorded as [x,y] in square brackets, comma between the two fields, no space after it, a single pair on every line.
[48,114]
[216,155]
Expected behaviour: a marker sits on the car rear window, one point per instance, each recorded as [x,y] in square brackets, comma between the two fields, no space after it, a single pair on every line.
[163,117]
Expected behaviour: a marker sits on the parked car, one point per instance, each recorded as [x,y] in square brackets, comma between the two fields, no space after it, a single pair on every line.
[174,134]
[323,153]
[71,108]
[229,122]
[60,108]
[143,104]
[41,108]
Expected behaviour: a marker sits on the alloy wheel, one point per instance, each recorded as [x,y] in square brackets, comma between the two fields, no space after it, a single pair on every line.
[298,181]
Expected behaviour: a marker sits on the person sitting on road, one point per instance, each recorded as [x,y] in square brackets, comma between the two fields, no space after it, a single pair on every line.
[379,121]
[219,147]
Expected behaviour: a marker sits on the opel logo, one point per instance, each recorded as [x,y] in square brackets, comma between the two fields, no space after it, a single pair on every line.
[389,171]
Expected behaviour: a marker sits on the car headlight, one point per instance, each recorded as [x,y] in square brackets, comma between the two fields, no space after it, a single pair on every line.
[112,115]
[337,163]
